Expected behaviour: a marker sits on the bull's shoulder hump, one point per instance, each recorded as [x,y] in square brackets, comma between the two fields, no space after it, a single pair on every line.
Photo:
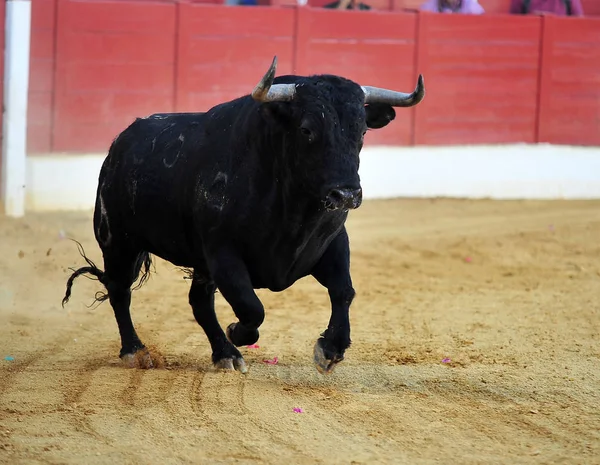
[159,122]
[157,132]
[174,116]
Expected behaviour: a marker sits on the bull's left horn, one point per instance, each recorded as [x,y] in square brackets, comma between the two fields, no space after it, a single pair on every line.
[393,98]
[266,91]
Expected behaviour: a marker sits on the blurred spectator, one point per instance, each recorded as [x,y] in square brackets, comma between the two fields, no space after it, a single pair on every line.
[241,2]
[347,5]
[467,7]
[540,7]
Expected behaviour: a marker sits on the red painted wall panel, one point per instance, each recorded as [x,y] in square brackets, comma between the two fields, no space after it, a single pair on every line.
[115,61]
[496,6]
[401,5]
[570,82]
[591,7]
[286,3]
[41,76]
[377,49]
[481,75]
[223,52]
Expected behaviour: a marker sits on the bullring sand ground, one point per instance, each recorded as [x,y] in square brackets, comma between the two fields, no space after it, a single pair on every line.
[509,292]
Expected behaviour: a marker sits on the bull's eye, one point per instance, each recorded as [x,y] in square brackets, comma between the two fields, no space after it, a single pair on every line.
[307,133]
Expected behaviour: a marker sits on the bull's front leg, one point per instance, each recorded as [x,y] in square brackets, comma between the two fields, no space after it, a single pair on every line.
[231,277]
[333,272]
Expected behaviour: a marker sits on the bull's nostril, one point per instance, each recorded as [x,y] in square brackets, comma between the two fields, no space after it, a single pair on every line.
[344,198]
[337,196]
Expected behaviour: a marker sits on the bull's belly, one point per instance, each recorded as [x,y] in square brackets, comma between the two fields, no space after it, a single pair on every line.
[175,258]
[171,244]
[271,264]
[269,274]
[279,271]
[276,282]
[276,264]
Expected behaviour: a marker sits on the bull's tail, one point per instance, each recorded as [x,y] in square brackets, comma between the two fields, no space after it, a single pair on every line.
[92,270]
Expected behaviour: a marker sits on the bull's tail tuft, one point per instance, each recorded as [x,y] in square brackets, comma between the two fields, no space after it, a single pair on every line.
[92,270]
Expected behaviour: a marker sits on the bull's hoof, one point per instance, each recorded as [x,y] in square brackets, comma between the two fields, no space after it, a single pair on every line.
[139,359]
[239,336]
[234,363]
[229,358]
[326,359]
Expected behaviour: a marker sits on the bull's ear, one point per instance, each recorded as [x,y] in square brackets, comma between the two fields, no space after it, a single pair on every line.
[379,115]
[277,112]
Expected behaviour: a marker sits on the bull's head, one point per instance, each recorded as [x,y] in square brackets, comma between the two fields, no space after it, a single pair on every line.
[324,119]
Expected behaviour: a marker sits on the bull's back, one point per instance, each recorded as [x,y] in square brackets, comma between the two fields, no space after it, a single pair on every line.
[146,186]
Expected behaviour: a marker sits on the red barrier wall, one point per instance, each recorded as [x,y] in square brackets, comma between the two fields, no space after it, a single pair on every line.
[41,76]
[481,77]
[224,58]
[97,64]
[591,7]
[570,82]
[114,61]
[378,52]
[496,6]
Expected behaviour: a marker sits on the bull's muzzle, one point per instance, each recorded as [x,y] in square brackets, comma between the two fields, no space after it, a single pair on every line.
[343,199]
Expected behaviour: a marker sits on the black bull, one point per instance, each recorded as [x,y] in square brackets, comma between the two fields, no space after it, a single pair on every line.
[252,194]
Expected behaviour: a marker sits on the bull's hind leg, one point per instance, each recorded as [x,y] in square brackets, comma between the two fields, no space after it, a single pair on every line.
[122,268]
[333,272]
[202,300]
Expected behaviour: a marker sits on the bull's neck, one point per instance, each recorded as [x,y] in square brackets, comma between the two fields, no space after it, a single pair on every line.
[279,162]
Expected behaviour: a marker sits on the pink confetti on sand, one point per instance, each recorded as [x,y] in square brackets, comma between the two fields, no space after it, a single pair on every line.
[468,259]
[446,360]
[253,346]
[272,361]
[298,410]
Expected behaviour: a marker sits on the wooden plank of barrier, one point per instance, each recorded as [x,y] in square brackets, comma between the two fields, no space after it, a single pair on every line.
[41,76]
[481,75]
[114,61]
[223,51]
[371,48]
[570,82]
[401,5]
[495,6]
[590,7]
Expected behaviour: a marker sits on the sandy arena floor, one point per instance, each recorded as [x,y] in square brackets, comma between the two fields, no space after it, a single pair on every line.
[509,292]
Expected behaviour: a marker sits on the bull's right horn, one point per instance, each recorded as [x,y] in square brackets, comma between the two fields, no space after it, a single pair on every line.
[266,91]
[393,98]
